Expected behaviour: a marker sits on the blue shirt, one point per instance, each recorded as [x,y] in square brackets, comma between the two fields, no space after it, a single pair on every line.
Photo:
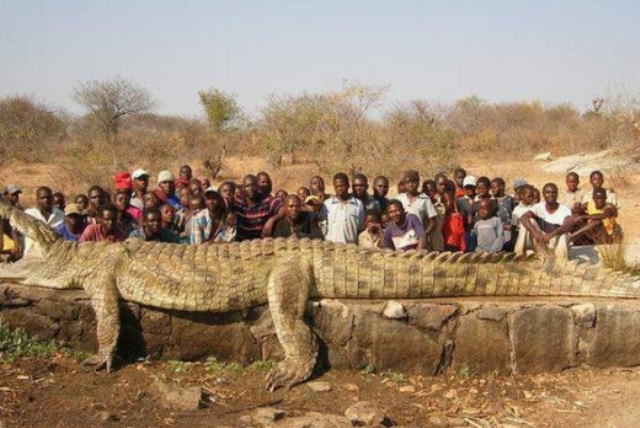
[66,234]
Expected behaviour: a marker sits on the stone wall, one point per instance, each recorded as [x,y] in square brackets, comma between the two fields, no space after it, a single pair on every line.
[503,335]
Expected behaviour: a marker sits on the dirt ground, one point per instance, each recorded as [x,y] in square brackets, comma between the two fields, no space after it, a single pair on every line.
[61,393]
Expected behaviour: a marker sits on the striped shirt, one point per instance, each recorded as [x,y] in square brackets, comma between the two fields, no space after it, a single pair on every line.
[250,220]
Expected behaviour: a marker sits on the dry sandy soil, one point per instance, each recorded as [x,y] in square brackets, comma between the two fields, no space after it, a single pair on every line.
[60,393]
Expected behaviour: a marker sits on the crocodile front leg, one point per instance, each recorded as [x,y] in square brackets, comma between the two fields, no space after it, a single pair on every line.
[288,291]
[104,300]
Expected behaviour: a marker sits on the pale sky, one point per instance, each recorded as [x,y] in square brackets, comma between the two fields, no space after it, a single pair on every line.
[551,51]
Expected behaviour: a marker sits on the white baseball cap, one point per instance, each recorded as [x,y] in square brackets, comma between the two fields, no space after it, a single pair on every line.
[469,180]
[139,173]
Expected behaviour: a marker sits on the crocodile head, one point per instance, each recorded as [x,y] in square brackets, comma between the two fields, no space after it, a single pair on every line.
[41,234]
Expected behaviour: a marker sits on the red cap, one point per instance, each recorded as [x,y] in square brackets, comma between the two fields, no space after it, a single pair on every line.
[182,182]
[122,180]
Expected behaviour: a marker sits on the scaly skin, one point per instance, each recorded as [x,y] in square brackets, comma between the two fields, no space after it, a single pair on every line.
[284,274]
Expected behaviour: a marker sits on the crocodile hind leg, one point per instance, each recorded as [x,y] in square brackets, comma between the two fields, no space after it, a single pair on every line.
[104,300]
[288,291]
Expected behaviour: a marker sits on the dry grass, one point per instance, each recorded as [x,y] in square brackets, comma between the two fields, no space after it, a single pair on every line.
[614,256]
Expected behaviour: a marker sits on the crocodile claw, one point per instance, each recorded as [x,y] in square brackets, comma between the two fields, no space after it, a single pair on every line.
[288,374]
[98,362]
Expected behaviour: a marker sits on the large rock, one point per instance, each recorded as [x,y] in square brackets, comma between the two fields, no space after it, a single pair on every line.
[34,324]
[315,420]
[364,413]
[334,321]
[393,345]
[482,346]
[431,317]
[543,339]
[176,397]
[617,337]
[196,336]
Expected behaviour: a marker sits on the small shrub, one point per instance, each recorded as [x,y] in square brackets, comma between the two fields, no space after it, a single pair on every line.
[368,370]
[467,372]
[177,366]
[263,365]
[16,344]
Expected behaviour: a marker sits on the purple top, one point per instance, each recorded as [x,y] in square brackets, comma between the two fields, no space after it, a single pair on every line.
[405,237]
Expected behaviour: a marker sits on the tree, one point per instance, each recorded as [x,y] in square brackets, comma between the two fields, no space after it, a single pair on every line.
[111,100]
[222,109]
[27,128]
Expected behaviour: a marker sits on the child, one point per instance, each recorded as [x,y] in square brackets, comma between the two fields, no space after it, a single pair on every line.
[525,205]
[601,226]
[464,206]
[404,232]
[597,181]
[453,226]
[372,235]
[505,204]
[488,229]
[572,196]
[458,176]
[536,196]
[435,240]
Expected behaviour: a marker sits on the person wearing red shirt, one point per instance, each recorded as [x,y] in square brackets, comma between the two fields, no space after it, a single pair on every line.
[453,226]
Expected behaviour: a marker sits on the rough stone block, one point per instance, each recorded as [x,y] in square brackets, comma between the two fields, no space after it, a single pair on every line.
[585,314]
[333,320]
[196,336]
[482,345]
[431,317]
[393,345]
[617,337]
[491,313]
[34,324]
[543,339]
[58,311]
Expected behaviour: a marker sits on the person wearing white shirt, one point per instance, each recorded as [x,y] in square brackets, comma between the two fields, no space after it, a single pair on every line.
[342,214]
[45,212]
[548,223]
[417,203]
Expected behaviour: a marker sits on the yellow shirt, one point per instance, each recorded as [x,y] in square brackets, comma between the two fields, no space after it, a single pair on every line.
[8,244]
[609,222]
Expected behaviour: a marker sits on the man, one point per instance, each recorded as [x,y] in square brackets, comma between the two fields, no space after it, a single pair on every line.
[265,185]
[97,198]
[73,225]
[166,190]
[186,173]
[252,209]
[404,232]
[140,183]
[418,203]
[125,221]
[292,222]
[106,229]
[212,224]
[45,212]
[360,186]
[546,225]
[14,240]
[317,188]
[380,191]
[518,186]
[343,213]
[151,229]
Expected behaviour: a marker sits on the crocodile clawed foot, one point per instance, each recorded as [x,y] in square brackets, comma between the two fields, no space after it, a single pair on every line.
[98,362]
[289,373]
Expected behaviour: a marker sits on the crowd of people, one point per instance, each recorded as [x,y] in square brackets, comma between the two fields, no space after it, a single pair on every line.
[461,213]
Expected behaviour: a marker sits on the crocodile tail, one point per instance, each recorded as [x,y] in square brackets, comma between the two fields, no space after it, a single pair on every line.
[30,227]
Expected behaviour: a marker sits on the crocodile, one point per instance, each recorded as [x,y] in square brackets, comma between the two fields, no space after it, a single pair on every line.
[284,274]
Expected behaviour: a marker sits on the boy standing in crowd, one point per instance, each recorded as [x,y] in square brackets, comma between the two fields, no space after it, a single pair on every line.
[572,196]
[343,213]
